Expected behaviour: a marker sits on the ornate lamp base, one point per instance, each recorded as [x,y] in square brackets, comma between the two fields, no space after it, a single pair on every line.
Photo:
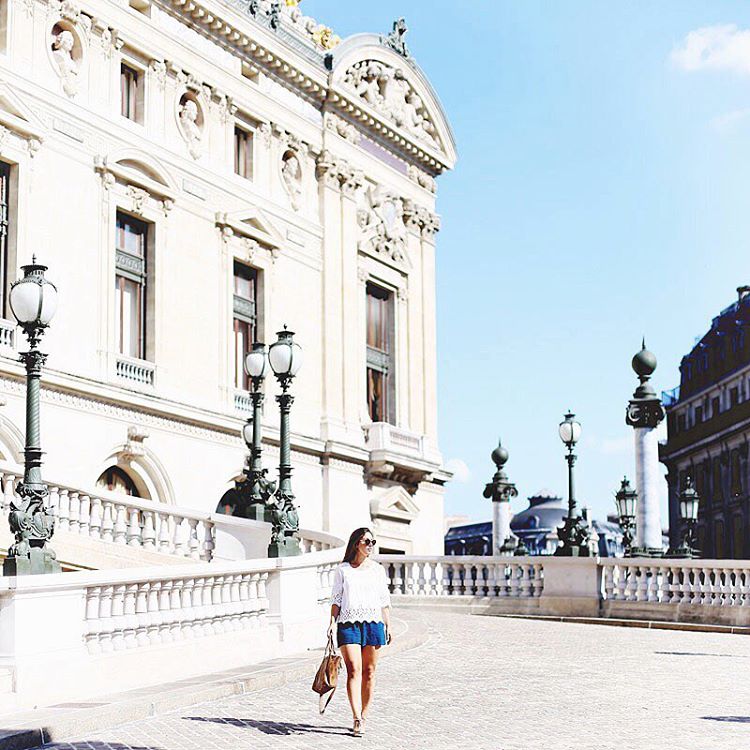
[288,547]
[258,512]
[646,552]
[40,561]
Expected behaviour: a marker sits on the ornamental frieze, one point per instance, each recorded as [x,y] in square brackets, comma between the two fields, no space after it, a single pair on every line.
[381,220]
[386,90]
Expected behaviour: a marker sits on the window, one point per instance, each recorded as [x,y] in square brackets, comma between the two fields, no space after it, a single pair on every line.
[698,414]
[243,152]
[131,98]
[719,546]
[4,227]
[715,409]
[114,479]
[245,319]
[131,251]
[734,396]
[380,335]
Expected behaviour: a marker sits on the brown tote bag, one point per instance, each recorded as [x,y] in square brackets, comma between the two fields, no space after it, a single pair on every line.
[327,675]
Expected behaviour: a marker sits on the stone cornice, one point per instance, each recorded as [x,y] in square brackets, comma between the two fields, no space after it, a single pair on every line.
[278,57]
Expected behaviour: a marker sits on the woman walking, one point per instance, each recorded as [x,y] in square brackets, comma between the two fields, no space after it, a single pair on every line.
[360,611]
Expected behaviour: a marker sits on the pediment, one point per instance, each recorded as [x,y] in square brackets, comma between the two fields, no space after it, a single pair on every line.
[383,83]
[16,115]
[394,503]
[134,167]
[253,224]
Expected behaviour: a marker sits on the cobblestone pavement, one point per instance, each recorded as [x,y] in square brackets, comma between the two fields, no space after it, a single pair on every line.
[486,683]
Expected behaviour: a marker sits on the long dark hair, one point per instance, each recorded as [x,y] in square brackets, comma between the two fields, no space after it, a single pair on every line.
[351,546]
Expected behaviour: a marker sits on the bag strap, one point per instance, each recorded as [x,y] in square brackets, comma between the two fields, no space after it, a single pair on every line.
[325,699]
[330,647]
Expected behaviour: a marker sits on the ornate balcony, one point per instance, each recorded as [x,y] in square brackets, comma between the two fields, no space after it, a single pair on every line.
[7,334]
[398,454]
[137,371]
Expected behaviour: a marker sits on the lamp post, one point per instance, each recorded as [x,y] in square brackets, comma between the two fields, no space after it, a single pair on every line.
[573,533]
[285,358]
[501,491]
[689,503]
[626,499]
[256,489]
[33,300]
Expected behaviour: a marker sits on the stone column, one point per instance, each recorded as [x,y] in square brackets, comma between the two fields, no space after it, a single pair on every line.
[644,414]
[500,490]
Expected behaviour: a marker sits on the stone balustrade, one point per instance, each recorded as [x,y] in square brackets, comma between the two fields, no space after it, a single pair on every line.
[100,631]
[477,576]
[155,527]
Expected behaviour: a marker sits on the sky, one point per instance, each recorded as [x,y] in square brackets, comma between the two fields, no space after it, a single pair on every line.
[601,195]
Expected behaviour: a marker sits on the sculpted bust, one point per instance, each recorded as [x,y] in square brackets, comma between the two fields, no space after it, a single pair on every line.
[63,44]
[190,128]
[291,174]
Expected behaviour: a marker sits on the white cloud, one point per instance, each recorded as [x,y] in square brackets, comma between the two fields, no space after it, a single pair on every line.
[459,469]
[730,122]
[724,47]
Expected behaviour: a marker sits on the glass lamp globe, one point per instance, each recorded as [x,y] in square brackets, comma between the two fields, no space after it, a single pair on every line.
[689,502]
[256,361]
[247,431]
[285,355]
[570,430]
[626,499]
[33,299]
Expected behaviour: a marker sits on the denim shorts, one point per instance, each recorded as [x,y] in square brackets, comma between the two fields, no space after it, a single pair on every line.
[361,633]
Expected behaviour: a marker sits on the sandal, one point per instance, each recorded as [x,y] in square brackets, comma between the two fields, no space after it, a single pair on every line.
[357,729]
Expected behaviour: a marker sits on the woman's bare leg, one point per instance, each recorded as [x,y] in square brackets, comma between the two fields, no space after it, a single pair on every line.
[352,654]
[369,662]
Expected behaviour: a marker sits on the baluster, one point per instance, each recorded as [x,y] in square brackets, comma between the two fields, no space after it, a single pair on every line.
[176,612]
[744,597]
[105,619]
[208,606]
[208,542]
[118,617]
[180,531]
[481,580]
[134,528]
[53,503]
[130,627]
[142,597]
[513,582]
[188,608]
[165,614]
[492,579]
[74,513]
[108,525]
[643,584]
[149,532]
[193,543]
[252,597]
[421,579]
[609,582]
[154,636]
[675,585]
[94,517]
[199,612]
[538,580]
[234,595]
[164,535]
[439,578]
[120,535]
[92,620]
[525,582]
[63,510]
[84,518]
[468,584]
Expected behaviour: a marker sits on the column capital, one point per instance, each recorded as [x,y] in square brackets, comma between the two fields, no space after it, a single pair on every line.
[647,412]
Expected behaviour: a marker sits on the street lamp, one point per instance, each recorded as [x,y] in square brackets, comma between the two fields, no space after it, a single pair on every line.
[626,499]
[689,501]
[256,489]
[33,300]
[285,358]
[574,533]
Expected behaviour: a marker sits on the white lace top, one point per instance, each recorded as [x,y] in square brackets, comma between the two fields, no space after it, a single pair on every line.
[360,592]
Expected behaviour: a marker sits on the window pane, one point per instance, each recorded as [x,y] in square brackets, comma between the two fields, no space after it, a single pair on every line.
[128,92]
[376,395]
[245,281]
[131,235]
[129,318]
[243,338]
[243,152]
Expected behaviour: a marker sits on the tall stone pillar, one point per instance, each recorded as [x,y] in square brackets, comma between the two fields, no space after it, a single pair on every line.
[501,491]
[644,414]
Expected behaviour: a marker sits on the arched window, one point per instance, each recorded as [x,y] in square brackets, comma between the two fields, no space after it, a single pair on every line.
[114,479]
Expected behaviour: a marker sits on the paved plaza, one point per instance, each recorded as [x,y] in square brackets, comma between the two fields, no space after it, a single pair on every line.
[488,683]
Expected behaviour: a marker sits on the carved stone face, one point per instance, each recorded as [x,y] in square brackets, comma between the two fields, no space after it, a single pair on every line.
[65,41]
[189,110]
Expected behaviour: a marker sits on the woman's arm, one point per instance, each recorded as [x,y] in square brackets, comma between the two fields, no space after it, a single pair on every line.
[387,623]
[335,609]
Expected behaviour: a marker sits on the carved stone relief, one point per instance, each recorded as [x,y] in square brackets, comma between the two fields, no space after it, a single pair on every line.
[386,89]
[381,219]
[190,118]
[341,127]
[291,176]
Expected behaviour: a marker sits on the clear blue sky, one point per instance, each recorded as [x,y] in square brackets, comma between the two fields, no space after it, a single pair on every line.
[602,193]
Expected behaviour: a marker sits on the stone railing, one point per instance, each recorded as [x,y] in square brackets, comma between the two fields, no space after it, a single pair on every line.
[155,527]
[386,438]
[111,629]
[465,576]
[699,591]
[135,370]
[7,333]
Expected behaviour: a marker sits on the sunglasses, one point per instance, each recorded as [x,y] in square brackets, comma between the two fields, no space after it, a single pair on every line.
[369,542]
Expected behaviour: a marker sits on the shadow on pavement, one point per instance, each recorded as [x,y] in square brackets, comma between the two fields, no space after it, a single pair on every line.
[273,727]
[94,745]
[737,719]
[700,653]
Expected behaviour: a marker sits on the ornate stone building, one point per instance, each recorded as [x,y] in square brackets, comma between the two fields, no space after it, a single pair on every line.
[197,173]
[708,426]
